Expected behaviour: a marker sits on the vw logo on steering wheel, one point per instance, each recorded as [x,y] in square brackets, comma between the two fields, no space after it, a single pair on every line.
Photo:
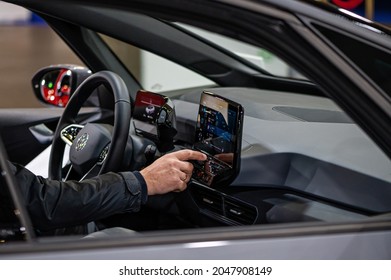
[82,142]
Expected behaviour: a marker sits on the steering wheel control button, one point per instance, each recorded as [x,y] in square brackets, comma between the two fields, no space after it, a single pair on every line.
[69,134]
[103,154]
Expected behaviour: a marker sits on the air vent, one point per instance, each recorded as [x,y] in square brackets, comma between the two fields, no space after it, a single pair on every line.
[243,213]
[223,207]
[210,200]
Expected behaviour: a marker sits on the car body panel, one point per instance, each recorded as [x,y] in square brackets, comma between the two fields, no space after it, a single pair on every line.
[337,241]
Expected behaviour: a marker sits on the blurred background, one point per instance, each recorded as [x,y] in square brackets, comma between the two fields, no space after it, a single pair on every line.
[36,46]
[24,34]
[377,10]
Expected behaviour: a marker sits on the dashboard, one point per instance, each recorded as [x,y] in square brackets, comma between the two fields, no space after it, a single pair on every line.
[291,166]
[297,158]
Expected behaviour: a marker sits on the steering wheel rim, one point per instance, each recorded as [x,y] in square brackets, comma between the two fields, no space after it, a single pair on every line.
[122,115]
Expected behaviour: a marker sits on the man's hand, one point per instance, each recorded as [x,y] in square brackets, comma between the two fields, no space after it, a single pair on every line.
[171,172]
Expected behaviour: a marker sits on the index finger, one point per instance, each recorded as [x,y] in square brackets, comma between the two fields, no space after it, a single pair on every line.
[190,155]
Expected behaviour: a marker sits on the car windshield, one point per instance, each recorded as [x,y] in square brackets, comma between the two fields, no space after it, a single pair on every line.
[159,74]
[258,57]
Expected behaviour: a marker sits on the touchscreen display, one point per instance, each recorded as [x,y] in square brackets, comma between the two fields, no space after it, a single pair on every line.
[218,134]
[146,110]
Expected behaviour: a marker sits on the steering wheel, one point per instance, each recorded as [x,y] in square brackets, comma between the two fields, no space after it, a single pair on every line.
[94,148]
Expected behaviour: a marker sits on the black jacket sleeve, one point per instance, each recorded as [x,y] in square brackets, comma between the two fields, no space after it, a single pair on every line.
[53,204]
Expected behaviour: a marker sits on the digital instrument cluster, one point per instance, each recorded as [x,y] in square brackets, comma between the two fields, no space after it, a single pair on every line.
[147,109]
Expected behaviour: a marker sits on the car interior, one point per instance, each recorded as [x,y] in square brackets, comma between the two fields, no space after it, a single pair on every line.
[279,150]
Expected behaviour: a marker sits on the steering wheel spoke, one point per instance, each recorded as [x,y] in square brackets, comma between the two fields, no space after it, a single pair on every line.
[94,171]
[68,176]
[72,174]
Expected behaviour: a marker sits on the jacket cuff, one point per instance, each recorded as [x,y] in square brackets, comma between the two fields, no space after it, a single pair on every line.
[136,185]
[144,189]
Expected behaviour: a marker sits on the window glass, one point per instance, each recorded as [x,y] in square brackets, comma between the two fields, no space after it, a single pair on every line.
[257,56]
[155,73]
[158,74]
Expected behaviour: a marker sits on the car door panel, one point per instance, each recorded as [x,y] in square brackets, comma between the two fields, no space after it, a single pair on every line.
[27,132]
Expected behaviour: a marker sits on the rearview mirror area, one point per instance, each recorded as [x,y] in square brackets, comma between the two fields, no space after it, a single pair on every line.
[55,84]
